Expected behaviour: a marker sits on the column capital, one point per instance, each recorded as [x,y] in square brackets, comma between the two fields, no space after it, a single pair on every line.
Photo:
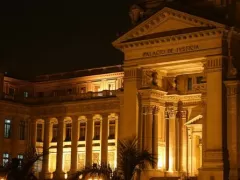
[233,87]
[148,109]
[156,110]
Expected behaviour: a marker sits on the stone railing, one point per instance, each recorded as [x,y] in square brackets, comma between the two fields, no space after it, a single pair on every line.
[198,88]
[70,97]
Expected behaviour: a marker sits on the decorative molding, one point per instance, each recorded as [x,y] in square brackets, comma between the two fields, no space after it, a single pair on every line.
[171,39]
[213,64]
[132,73]
[161,16]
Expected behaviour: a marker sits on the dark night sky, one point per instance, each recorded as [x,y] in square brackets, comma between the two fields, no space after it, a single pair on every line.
[39,37]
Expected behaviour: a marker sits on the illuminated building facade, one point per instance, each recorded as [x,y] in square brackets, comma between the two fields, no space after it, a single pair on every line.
[177,91]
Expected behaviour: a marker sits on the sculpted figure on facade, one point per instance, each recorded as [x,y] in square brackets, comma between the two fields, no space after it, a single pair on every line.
[152,78]
[171,84]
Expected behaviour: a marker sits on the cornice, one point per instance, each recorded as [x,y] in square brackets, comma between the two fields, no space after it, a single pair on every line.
[155,20]
[195,36]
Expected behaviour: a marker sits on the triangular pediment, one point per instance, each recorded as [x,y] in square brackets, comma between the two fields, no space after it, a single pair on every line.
[167,20]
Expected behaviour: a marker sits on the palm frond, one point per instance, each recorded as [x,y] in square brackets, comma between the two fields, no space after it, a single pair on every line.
[131,158]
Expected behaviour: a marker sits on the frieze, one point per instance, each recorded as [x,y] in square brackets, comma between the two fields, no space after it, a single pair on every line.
[73,109]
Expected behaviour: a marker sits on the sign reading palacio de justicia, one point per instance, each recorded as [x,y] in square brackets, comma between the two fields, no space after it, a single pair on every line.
[169,51]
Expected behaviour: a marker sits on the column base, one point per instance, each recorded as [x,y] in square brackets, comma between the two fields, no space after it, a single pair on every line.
[45,175]
[211,173]
[72,173]
[59,175]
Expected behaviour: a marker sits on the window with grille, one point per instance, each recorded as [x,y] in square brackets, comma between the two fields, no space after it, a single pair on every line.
[97,130]
[22,130]
[39,132]
[5,159]
[112,129]
[7,128]
[68,132]
[54,132]
[82,135]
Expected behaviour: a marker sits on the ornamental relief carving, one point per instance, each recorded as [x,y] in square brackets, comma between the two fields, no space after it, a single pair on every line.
[151,78]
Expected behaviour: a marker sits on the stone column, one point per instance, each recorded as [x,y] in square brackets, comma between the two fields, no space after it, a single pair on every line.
[46,144]
[74,145]
[33,132]
[189,166]
[194,154]
[59,174]
[183,143]
[104,140]
[213,140]
[148,128]
[155,136]
[15,136]
[89,141]
[172,141]
[143,124]
[233,125]
[2,119]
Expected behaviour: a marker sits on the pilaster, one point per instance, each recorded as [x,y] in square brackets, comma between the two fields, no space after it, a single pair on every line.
[233,88]
[213,140]
[131,84]
[15,136]
[2,119]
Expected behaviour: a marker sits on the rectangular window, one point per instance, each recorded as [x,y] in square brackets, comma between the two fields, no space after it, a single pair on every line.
[68,132]
[7,128]
[22,130]
[5,159]
[111,129]
[97,130]
[54,132]
[189,84]
[199,79]
[20,157]
[82,135]
[11,91]
[39,132]
[25,94]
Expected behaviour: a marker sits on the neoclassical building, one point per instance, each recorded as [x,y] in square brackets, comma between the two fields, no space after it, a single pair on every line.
[177,91]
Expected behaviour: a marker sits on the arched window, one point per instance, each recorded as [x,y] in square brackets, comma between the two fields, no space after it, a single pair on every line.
[68,132]
[112,129]
[97,130]
[82,133]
